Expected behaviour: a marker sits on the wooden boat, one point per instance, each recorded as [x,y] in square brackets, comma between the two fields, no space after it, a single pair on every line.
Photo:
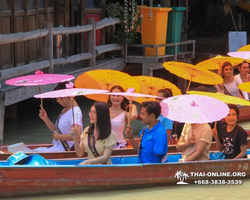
[125,172]
[72,154]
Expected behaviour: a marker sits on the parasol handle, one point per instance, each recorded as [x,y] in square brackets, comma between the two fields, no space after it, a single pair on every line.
[215,124]
[40,88]
[73,114]
[129,112]
[189,84]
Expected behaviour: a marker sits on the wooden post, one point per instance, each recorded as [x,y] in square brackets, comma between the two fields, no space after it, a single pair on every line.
[103,31]
[67,24]
[38,51]
[82,13]
[91,38]
[2,110]
[49,46]
[26,29]
[145,69]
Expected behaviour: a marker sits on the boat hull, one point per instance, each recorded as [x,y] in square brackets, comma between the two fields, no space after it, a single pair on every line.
[28,180]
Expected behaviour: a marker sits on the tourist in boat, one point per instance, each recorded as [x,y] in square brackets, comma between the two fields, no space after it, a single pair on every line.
[62,139]
[167,123]
[232,139]
[98,139]
[153,144]
[118,107]
[244,75]
[195,142]
[179,126]
[230,83]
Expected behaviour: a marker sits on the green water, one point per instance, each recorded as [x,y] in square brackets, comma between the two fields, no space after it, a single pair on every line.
[178,192]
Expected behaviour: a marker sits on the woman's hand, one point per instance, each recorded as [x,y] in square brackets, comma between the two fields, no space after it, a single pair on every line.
[73,132]
[86,162]
[129,132]
[214,132]
[43,114]
[56,136]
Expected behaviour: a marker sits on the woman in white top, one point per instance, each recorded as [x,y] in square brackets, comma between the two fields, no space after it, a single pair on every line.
[230,83]
[62,139]
[118,107]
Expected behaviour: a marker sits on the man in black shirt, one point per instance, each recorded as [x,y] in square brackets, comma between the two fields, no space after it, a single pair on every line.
[232,139]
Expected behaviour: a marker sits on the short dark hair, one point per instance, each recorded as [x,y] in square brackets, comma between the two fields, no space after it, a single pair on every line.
[166,92]
[125,101]
[152,107]
[235,108]
[62,85]
[201,88]
[102,121]
[242,63]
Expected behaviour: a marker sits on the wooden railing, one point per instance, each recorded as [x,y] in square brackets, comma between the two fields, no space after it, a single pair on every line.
[47,33]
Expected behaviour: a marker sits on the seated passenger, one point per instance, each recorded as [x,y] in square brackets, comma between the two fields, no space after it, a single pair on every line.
[232,139]
[153,143]
[97,139]
[195,142]
[62,140]
[118,108]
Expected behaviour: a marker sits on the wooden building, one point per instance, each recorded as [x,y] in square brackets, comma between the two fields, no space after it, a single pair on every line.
[28,15]
[68,37]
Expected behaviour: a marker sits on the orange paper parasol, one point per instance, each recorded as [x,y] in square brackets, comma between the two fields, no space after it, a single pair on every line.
[193,73]
[223,97]
[105,79]
[244,48]
[150,85]
[215,63]
[244,87]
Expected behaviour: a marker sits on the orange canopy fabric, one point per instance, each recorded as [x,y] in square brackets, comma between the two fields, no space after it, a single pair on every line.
[150,85]
[105,79]
[215,63]
[244,87]
[223,97]
[193,73]
[244,48]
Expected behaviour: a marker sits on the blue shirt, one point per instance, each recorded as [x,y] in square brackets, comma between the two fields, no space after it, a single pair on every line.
[167,123]
[154,144]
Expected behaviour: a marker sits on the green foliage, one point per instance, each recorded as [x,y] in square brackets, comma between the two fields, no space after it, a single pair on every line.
[124,33]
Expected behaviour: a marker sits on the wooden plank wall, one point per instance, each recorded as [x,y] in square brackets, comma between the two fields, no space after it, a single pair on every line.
[22,16]
[27,15]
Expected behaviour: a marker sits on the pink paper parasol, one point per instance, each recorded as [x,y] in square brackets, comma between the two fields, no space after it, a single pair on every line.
[39,78]
[240,54]
[164,109]
[69,93]
[195,109]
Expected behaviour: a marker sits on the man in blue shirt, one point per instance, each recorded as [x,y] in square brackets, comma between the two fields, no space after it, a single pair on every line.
[153,143]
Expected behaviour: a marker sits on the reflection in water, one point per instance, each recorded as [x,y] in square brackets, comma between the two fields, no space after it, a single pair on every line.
[180,192]
[29,128]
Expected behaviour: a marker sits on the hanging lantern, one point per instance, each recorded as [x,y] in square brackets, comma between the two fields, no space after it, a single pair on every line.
[126,15]
[142,4]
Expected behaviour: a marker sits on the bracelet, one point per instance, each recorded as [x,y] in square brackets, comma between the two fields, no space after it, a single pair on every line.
[55,131]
